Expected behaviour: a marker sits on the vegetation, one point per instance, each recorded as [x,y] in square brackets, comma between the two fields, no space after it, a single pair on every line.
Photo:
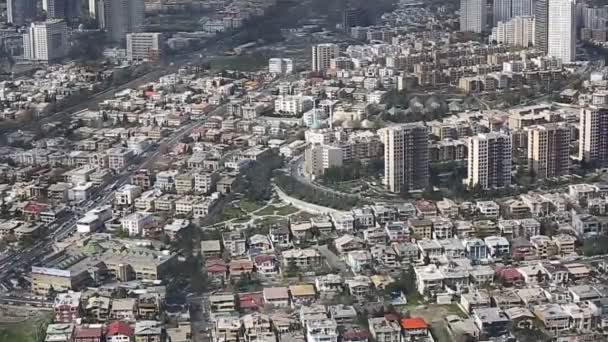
[256,181]
[595,246]
[311,194]
[353,170]
[31,330]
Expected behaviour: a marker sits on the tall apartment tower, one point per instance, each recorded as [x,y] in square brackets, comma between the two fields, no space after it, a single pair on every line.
[593,142]
[120,17]
[406,157]
[46,41]
[501,10]
[19,12]
[549,150]
[62,9]
[489,162]
[541,24]
[473,15]
[521,8]
[561,39]
[322,54]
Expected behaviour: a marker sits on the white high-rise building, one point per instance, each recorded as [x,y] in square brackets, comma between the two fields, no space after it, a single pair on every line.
[318,158]
[406,157]
[549,150]
[561,42]
[489,162]
[144,46]
[501,10]
[322,55]
[120,17]
[280,66]
[62,9]
[520,8]
[473,15]
[518,31]
[46,41]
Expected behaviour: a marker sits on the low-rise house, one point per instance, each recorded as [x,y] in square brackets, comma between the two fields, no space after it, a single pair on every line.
[421,228]
[211,249]
[329,285]
[302,258]
[397,231]
[118,331]
[465,327]
[266,266]
[347,243]
[430,249]
[554,318]
[217,270]
[492,322]
[322,331]
[343,315]
[240,268]
[277,297]
[359,287]
[280,237]
[222,303]
[382,329]
[414,328]
[474,300]
[124,309]
[257,327]
[148,331]
[302,294]
[582,293]
[359,260]
[428,279]
[235,243]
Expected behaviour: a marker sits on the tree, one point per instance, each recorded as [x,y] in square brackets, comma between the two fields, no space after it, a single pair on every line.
[540,276]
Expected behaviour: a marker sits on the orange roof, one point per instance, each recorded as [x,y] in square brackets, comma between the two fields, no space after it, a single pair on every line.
[414,323]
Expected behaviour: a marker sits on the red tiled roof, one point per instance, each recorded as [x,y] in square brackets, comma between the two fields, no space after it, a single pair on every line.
[263,258]
[88,332]
[414,323]
[119,328]
[251,300]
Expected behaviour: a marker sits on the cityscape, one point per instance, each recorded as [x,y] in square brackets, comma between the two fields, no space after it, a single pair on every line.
[303,171]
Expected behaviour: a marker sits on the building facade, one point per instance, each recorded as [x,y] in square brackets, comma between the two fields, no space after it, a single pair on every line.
[489,164]
[46,41]
[322,54]
[144,46]
[561,41]
[593,141]
[549,150]
[473,15]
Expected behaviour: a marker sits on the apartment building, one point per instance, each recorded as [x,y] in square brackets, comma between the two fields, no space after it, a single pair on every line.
[489,163]
[549,150]
[593,128]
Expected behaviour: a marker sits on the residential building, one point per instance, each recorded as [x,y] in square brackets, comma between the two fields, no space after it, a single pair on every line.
[518,31]
[19,12]
[593,130]
[46,41]
[144,46]
[322,331]
[541,24]
[473,15]
[561,39]
[120,17]
[280,66]
[322,54]
[549,150]
[384,330]
[318,158]
[406,162]
[489,162]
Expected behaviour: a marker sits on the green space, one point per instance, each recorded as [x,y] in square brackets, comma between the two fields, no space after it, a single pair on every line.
[302,216]
[270,221]
[249,206]
[311,194]
[277,211]
[249,62]
[30,330]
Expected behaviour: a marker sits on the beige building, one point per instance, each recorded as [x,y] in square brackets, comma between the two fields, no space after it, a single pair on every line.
[593,130]
[318,158]
[406,157]
[144,46]
[322,54]
[549,150]
[489,163]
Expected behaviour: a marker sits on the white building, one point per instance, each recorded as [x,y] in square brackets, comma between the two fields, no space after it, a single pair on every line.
[322,331]
[318,158]
[280,66]
[518,31]
[46,41]
[489,162]
[135,223]
[144,46]
[322,54]
[473,15]
[293,104]
[562,30]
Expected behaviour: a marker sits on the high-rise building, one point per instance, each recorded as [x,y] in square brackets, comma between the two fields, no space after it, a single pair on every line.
[352,17]
[473,15]
[322,55]
[489,161]
[541,24]
[19,12]
[121,17]
[46,41]
[561,39]
[519,31]
[62,9]
[501,10]
[549,150]
[280,66]
[406,157]
[593,141]
[144,46]
[320,157]
[520,8]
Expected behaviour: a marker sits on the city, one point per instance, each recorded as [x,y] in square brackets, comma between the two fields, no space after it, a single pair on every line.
[314,171]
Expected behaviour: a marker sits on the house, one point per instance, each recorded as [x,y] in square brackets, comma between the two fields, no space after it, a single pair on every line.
[583,317]
[355,335]
[302,294]
[344,222]
[148,331]
[280,237]
[492,322]
[555,273]
[235,243]
[442,228]
[359,287]
[414,328]
[216,270]
[428,279]
[522,318]
[382,329]
[226,329]
[374,236]
[581,293]
[430,249]
[240,268]
[329,285]
[385,256]
[364,218]
[260,243]
[60,332]
[498,246]
[476,249]
[474,300]
[266,265]
[359,260]
[222,303]
[67,307]
[325,330]
[488,209]
[302,258]
[257,327]
[98,308]
[343,315]
[347,243]
[302,231]
[88,333]
[397,231]
[553,317]
[313,312]
[124,309]
[118,331]
[421,228]
[278,297]
[407,251]
[426,209]
[211,249]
